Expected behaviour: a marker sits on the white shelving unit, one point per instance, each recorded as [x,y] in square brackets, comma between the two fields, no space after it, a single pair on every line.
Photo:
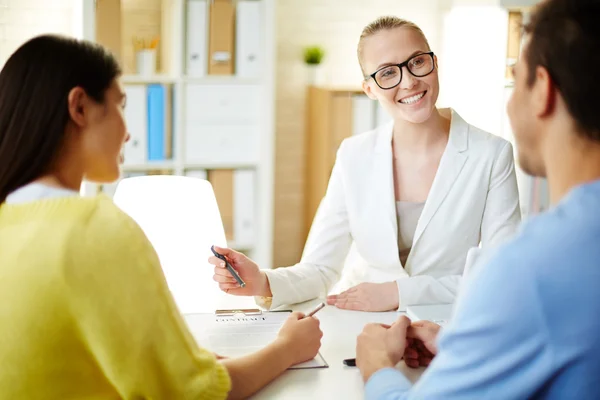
[158,78]
[173,36]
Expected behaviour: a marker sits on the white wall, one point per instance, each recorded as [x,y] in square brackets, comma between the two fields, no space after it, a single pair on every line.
[472,65]
[340,36]
[21,20]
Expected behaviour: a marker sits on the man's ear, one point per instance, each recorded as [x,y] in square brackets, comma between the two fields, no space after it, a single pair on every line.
[435,62]
[367,89]
[77,104]
[544,93]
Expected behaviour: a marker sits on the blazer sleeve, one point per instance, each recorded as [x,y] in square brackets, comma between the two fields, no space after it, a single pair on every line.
[502,214]
[128,321]
[500,220]
[324,254]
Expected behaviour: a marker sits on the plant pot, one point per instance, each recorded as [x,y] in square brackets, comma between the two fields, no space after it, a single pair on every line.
[315,74]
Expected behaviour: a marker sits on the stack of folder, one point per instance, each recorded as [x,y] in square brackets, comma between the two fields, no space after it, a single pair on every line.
[236,197]
[224,38]
[148,117]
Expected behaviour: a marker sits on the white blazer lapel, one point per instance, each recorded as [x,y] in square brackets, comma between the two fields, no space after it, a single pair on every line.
[451,165]
[384,216]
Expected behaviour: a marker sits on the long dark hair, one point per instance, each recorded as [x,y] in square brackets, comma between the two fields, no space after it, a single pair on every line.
[34,88]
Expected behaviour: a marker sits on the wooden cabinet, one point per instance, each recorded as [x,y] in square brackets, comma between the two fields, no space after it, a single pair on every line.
[333,114]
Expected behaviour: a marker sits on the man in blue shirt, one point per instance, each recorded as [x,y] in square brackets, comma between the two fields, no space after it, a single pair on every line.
[527,325]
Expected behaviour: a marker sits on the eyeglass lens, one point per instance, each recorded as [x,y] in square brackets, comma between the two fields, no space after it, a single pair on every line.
[391,76]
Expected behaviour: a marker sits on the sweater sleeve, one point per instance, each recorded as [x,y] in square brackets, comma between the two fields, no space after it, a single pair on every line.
[127,318]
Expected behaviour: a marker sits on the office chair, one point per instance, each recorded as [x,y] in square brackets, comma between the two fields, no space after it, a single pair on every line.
[181,218]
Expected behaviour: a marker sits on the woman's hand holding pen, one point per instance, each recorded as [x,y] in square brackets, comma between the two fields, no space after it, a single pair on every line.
[300,337]
[256,280]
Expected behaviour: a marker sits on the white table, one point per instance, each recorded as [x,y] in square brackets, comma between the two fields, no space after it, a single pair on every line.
[340,329]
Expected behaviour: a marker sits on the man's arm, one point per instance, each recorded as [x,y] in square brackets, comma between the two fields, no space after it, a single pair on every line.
[495,346]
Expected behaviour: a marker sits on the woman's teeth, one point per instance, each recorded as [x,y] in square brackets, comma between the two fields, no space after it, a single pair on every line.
[413,99]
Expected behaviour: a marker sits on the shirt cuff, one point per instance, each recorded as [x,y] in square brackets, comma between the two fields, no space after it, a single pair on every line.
[275,301]
[401,304]
[387,383]
[263,302]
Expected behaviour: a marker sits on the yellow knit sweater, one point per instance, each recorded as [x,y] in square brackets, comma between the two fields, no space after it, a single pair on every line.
[85,311]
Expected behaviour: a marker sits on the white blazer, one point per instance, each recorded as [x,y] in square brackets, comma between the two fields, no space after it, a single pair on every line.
[473,200]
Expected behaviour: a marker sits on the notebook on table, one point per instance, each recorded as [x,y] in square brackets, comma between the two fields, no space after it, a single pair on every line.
[236,333]
[438,313]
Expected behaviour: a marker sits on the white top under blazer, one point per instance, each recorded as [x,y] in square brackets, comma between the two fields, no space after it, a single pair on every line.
[354,236]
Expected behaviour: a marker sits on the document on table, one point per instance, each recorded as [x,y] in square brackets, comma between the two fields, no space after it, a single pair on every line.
[241,334]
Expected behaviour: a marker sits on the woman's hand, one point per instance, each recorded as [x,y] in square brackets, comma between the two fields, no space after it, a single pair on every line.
[367,297]
[256,280]
[300,336]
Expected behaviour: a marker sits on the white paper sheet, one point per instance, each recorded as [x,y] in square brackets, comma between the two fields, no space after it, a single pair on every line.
[240,335]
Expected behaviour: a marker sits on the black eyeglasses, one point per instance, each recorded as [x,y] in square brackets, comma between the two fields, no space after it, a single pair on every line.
[390,76]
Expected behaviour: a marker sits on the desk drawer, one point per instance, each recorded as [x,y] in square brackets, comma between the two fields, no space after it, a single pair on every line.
[222,103]
[206,143]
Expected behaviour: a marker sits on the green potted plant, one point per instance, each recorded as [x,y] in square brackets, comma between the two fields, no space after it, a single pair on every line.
[313,56]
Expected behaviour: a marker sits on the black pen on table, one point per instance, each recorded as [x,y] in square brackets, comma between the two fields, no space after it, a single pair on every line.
[231,270]
[350,362]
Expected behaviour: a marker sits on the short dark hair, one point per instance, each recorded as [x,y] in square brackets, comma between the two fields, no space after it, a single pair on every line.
[34,88]
[564,38]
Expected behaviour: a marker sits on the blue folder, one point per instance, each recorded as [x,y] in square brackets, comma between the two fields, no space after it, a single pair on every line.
[156,122]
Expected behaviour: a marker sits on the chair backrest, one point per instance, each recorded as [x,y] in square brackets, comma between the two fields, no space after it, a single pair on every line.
[181,219]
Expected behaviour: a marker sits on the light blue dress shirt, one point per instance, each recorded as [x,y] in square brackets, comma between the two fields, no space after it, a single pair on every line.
[527,325]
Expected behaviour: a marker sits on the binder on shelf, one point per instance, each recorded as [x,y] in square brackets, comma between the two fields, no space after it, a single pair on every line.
[244,210]
[235,193]
[248,38]
[221,37]
[136,118]
[156,122]
[108,26]
[159,172]
[169,125]
[222,183]
[197,41]
[363,114]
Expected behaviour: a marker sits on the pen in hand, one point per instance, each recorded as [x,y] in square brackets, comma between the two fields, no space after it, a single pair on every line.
[231,270]
[314,311]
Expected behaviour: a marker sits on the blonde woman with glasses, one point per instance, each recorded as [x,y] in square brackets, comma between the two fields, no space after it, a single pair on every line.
[405,202]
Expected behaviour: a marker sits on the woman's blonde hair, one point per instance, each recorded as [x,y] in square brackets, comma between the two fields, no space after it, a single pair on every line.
[383,24]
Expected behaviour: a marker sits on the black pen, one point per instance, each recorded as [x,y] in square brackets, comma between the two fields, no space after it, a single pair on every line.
[350,362]
[232,271]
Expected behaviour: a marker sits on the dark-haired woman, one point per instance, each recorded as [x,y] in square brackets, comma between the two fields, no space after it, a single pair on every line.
[85,312]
